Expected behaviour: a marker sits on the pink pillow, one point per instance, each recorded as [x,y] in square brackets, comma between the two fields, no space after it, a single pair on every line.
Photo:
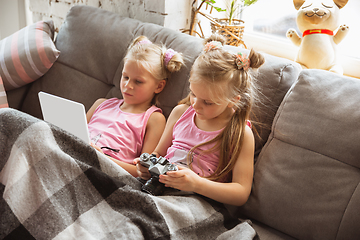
[27,54]
[3,99]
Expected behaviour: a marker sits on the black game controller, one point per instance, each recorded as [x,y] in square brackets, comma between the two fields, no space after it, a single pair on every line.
[156,166]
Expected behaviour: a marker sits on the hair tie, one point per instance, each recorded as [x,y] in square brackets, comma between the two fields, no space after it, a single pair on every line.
[212,45]
[168,56]
[242,61]
[146,41]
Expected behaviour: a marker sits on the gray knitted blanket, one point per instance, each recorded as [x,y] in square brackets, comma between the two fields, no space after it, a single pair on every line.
[53,186]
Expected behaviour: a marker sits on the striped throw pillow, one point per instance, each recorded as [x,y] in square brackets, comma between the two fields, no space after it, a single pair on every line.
[27,54]
[3,98]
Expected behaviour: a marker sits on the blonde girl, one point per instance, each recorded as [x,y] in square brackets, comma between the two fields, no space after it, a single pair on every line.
[125,128]
[208,134]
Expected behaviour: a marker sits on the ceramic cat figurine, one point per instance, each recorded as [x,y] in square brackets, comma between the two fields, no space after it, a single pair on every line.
[318,20]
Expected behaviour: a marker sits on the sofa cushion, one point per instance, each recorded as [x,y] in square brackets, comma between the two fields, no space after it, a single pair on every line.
[27,54]
[306,179]
[273,80]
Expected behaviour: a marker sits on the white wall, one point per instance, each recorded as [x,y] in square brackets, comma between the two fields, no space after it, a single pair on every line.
[16,14]
[12,17]
[173,14]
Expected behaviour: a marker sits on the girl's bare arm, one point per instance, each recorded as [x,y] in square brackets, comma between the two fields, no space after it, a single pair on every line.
[166,138]
[154,129]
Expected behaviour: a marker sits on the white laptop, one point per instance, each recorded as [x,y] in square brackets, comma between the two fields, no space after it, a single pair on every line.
[66,114]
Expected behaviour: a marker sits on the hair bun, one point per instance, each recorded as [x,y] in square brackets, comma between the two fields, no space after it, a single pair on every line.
[139,40]
[256,59]
[217,38]
[173,61]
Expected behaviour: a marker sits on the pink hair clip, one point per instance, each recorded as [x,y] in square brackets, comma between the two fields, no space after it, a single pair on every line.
[242,61]
[213,45]
[146,41]
[168,56]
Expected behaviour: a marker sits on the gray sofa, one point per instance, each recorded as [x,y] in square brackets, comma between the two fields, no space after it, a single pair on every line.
[306,180]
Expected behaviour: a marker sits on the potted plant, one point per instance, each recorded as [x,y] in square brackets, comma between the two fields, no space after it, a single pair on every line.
[197,9]
[231,27]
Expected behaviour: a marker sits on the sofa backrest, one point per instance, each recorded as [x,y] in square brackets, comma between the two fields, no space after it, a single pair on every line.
[93,43]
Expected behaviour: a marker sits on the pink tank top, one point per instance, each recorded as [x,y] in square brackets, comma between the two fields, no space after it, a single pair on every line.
[119,134]
[187,135]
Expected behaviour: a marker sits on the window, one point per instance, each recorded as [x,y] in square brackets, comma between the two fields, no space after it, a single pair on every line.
[266,23]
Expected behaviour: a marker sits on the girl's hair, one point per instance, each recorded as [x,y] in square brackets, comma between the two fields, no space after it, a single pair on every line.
[226,75]
[158,60]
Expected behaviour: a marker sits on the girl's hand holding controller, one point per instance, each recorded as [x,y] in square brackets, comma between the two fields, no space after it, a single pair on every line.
[184,179]
[142,171]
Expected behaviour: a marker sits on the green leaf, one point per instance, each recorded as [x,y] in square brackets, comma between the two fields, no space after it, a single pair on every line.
[219,9]
[249,2]
[211,3]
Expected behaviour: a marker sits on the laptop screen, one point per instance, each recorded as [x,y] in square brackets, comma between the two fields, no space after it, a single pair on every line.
[66,114]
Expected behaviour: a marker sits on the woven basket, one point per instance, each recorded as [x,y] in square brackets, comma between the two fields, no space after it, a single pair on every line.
[233,33]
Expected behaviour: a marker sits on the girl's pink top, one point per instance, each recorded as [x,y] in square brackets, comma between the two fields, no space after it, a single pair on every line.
[187,135]
[119,134]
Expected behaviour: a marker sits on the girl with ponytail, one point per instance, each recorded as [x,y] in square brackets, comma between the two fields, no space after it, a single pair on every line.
[208,135]
[125,128]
